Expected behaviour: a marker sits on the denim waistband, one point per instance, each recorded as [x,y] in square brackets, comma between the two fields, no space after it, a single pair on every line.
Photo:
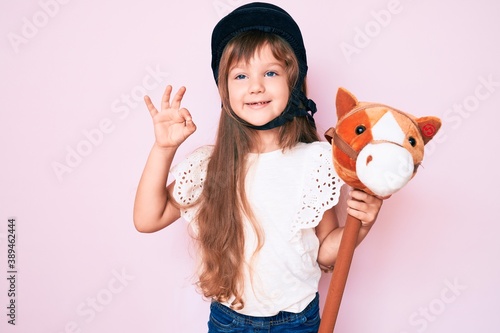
[278,319]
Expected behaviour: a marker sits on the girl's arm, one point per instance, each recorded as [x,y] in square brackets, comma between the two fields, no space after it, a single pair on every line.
[364,207]
[154,208]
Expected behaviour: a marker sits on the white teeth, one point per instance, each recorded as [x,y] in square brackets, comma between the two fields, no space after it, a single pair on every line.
[258,103]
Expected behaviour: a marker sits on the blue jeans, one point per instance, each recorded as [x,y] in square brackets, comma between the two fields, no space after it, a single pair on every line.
[225,320]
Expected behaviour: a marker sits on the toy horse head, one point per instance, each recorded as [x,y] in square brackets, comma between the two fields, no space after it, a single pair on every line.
[377,148]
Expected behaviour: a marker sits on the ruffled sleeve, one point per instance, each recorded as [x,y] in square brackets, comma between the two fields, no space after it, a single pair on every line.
[321,188]
[190,175]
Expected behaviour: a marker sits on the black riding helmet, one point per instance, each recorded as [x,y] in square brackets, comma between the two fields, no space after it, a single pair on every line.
[271,19]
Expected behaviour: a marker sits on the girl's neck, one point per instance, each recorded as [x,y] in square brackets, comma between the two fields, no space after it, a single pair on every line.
[266,141]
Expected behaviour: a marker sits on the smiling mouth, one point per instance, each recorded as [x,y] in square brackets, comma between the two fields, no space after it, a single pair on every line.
[258,103]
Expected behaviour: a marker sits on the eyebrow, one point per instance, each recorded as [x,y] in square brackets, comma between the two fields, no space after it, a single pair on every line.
[271,64]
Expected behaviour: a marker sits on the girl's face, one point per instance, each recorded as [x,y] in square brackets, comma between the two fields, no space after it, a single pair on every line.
[258,90]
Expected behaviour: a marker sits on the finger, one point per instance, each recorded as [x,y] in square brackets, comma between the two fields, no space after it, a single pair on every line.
[184,113]
[355,213]
[365,217]
[165,100]
[363,196]
[357,205]
[188,121]
[176,102]
[358,195]
[150,106]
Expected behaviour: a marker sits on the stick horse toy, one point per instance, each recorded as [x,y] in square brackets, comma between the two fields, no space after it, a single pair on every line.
[377,149]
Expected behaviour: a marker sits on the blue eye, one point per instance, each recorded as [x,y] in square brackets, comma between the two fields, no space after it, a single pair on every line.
[271,74]
[240,77]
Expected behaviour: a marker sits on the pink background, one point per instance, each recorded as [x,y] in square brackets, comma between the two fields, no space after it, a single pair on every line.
[73,74]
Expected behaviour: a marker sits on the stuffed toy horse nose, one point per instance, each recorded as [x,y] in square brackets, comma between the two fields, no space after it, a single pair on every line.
[384,167]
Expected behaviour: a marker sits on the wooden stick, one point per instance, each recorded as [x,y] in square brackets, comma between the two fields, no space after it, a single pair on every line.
[340,273]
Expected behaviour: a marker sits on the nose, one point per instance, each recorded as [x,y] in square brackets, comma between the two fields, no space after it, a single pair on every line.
[369,158]
[256,85]
[384,168]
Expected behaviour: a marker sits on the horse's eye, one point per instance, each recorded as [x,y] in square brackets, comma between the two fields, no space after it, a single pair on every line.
[412,141]
[360,129]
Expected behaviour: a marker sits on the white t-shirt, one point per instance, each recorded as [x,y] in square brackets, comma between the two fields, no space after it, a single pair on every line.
[288,193]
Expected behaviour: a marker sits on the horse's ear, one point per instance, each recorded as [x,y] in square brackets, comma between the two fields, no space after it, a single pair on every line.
[345,102]
[429,126]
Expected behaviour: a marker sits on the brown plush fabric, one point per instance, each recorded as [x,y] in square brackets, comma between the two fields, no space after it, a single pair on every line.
[351,113]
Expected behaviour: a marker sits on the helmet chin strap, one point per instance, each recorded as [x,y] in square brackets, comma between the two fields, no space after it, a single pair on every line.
[298,106]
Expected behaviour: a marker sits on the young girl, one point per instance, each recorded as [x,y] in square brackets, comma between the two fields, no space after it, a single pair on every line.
[261,199]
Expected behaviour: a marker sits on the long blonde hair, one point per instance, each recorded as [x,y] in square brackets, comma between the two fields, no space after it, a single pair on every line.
[223,200]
